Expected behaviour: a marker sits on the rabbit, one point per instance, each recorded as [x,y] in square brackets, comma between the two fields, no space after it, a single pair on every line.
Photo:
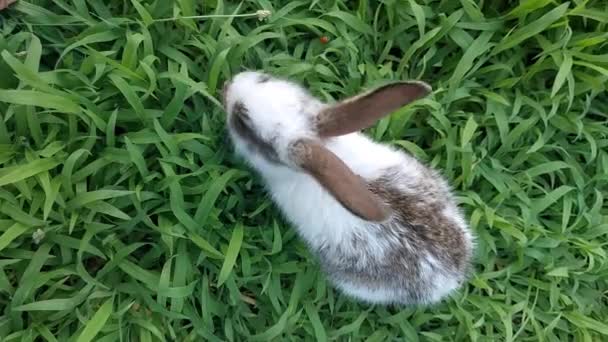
[384,227]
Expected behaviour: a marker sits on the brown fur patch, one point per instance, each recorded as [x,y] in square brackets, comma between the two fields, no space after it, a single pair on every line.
[421,213]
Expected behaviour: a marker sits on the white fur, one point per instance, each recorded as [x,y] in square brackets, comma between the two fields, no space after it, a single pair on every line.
[366,294]
[442,284]
[282,112]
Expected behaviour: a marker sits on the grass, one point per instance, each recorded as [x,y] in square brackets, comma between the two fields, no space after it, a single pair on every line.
[125,216]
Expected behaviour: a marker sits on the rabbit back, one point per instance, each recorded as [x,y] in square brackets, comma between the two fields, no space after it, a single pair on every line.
[418,256]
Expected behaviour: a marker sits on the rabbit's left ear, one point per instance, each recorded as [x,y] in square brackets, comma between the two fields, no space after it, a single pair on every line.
[364,110]
[339,180]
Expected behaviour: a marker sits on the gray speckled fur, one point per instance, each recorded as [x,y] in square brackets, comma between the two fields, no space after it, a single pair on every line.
[417,229]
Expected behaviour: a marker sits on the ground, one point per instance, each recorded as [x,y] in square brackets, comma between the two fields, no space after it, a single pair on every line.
[124,213]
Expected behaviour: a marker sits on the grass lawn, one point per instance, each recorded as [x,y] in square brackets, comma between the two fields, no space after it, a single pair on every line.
[125,216]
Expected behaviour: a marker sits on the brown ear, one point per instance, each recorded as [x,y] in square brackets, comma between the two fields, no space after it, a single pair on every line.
[364,110]
[332,173]
[5,3]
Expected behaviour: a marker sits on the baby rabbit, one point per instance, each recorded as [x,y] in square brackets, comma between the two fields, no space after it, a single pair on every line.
[385,228]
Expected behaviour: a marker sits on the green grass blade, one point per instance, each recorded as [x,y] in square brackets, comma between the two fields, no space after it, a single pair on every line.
[231,254]
[13,174]
[532,28]
[97,322]
[208,200]
[97,195]
[564,70]
[39,99]
[11,234]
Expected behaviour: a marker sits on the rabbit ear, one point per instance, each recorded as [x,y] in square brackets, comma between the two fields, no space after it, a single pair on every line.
[364,110]
[338,179]
[5,3]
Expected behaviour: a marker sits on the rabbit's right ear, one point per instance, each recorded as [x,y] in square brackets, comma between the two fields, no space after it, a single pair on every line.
[364,110]
[338,179]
